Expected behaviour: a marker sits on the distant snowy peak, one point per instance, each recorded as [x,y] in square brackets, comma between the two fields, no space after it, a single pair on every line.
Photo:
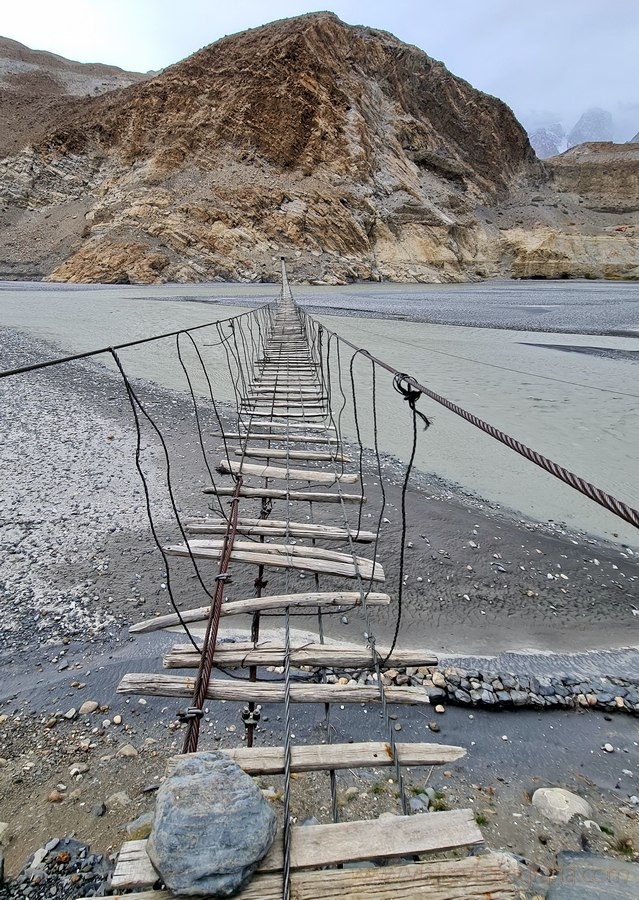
[594,125]
[548,141]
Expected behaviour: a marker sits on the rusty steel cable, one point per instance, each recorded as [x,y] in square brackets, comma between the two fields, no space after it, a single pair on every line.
[194,714]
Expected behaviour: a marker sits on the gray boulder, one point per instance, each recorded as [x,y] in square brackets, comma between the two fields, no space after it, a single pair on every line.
[212,826]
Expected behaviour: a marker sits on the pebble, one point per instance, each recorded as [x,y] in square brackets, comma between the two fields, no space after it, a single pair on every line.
[120,798]
[71,713]
[440,709]
[88,707]
[608,748]
[117,720]
[128,751]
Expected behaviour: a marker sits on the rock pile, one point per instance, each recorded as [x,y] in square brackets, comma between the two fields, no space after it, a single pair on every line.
[497,690]
[63,868]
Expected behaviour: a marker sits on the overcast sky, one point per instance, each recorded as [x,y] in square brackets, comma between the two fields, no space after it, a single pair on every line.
[555,56]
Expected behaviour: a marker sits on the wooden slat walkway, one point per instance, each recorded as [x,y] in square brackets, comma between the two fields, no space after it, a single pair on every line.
[279,528]
[287,386]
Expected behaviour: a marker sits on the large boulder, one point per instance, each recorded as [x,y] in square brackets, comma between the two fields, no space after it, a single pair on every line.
[212,826]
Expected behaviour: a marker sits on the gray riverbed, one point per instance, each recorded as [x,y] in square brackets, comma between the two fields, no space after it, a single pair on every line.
[576,399]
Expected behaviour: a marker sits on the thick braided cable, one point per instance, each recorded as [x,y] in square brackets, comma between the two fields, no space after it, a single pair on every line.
[603,498]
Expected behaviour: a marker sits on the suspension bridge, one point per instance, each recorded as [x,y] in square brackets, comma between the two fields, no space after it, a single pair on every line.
[288,499]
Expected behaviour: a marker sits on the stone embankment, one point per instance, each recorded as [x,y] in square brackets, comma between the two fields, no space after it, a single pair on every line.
[505,690]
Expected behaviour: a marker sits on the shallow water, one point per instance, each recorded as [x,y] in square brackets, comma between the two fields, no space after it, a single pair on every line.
[579,406]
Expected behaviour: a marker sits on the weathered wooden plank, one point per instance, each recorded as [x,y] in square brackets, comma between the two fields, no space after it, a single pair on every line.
[472,878]
[292,425]
[274,405]
[318,757]
[278,527]
[243,654]
[281,438]
[321,845]
[134,867]
[288,389]
[161,685]
[291,414]
[260,471]
[279,494]
[258,604]
[284,556]
[266,453]
[325,845]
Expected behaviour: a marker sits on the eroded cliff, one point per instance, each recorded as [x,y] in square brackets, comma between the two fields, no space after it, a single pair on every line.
[357,156]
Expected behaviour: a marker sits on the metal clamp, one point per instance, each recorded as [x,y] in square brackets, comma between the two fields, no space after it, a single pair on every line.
[250,717]
[190,713]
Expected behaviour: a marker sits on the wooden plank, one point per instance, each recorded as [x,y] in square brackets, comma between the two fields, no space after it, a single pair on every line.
[325,845]
[266,453]
[242,654]
[259,471]
[275,404]
[318,845]
[292,425]
[161,685]
[281,438]
[284,556]
[291,414]
[322,845]
[278,527]
[312,600]
[472,878]
[134,867]
[318,757]
[279,494]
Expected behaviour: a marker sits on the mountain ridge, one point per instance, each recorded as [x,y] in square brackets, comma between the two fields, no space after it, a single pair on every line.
[354,154]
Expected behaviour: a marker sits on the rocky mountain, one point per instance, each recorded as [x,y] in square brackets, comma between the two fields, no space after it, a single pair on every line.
[594,125]
[355,155]
[548,141]
[35,87]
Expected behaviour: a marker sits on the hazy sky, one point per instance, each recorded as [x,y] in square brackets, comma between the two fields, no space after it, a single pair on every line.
[559,56]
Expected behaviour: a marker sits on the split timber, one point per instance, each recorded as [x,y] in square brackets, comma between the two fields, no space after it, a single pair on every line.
[286,404]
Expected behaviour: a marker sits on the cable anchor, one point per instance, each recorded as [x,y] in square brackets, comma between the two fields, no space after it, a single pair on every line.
[403,385]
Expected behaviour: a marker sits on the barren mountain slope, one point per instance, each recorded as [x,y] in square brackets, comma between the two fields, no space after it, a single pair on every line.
[36,88]
[354,154]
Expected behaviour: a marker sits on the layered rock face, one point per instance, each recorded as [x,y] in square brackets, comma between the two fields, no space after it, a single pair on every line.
[353,154]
